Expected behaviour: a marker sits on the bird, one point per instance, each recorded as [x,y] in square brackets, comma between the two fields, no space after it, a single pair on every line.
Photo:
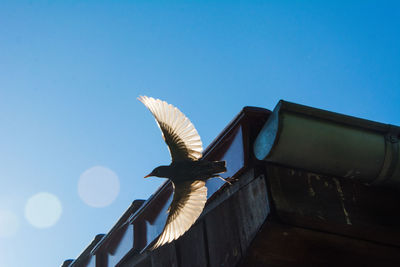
[187,171]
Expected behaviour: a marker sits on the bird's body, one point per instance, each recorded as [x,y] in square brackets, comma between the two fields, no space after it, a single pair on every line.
[187,171]
[181,171]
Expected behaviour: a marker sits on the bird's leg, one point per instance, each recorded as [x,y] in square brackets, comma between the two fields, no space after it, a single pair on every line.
[223,179]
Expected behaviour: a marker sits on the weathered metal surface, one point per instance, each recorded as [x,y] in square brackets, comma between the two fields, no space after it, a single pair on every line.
[223,234]
[191,247]
[335,205]
[282,245]
[253,208]
[228,190]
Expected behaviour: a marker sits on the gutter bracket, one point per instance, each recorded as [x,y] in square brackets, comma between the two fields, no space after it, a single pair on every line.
[391,157]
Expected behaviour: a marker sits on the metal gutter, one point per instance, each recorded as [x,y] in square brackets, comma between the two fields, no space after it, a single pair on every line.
[331,143]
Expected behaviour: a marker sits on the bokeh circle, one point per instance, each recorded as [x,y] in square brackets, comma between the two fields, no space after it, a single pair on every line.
[98,186]
[43,210]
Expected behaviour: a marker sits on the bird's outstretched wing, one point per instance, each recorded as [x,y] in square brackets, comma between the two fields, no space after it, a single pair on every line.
[187,205]
[178,132]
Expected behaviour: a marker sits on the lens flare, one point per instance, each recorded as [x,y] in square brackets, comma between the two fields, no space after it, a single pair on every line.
[43,210]
[98,186]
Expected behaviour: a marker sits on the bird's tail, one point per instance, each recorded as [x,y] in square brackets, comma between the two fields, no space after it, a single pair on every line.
[219,166]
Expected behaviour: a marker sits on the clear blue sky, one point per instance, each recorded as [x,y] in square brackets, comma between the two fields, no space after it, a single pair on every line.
[70,72]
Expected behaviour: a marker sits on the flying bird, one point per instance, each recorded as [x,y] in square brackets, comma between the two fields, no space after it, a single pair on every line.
[187,171]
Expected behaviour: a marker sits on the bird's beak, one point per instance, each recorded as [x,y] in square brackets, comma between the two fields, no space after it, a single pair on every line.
[148,175]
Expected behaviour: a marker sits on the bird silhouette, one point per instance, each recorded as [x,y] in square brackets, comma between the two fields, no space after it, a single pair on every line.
[187,171]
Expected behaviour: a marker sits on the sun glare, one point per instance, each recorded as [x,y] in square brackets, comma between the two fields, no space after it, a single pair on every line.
[98,186]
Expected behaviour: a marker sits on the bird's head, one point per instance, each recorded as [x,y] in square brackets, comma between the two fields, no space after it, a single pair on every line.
[162,171]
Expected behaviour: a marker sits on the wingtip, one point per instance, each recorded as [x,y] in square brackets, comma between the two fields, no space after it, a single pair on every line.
[141,98]
[145,99]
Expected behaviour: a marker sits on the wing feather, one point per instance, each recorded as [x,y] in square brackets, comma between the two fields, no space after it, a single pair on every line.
[178,132]
[186,206]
